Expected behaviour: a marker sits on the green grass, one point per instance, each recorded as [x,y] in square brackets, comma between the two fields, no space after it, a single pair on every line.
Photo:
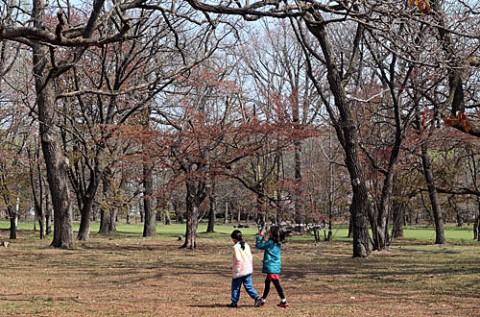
[421,233]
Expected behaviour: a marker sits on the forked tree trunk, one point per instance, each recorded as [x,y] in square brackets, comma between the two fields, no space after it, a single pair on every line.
[87,197]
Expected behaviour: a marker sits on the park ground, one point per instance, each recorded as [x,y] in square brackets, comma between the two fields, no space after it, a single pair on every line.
[127,275]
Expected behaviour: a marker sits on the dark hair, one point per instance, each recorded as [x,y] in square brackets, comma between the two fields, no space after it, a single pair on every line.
[237,235]
[277,234]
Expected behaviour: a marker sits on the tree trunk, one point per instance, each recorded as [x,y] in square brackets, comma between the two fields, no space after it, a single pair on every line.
[86,215]
[168,220]
[192,217]
[226,213]
[12,215]
[350,226]
[107,211]
[459,219]
[331,190]
[87,196]
[398,209]
[140,211]
[150,224]
[112,224]
[55,162]
[347,134]
[37,190]
[476,225]
[432,194]
[380,227]
[104,221]
[213,210]
[299,199]
[48,216]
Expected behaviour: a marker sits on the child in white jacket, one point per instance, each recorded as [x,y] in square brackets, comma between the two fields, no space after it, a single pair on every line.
[242,269]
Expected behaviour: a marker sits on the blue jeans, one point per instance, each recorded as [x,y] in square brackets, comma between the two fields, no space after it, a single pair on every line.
[247,283]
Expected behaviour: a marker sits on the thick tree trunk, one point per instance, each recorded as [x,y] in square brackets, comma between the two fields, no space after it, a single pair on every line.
[86,215]
[361,236]
[192,217]
[381,236]
[347,133]
[12,215]
[432,194]
[56,163]
[104,221]
[398,209]
[459,218]
[107,211]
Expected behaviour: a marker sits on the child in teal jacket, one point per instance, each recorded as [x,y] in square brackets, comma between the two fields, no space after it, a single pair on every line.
[272,264]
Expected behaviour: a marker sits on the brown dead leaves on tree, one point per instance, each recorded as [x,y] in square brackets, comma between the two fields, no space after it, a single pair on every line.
[459,121]
[422,5]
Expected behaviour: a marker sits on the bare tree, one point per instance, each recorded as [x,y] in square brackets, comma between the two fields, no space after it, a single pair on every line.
[56,49]
[275,64]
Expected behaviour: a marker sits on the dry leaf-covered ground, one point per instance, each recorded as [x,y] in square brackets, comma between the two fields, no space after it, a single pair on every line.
[153,277]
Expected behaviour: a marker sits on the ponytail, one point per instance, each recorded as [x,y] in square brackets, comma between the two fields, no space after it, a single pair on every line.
[237,235]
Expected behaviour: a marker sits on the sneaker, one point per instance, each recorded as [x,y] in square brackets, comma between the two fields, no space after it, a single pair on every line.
[283,304]
[262,302]
[232,305]
[258,301]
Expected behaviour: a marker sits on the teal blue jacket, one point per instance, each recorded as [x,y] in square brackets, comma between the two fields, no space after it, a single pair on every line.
[271,255]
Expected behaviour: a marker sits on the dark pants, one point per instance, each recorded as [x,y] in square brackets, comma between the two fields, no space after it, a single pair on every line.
[276,283]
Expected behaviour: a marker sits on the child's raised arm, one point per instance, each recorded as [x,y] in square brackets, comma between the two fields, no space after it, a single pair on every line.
[260,244]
